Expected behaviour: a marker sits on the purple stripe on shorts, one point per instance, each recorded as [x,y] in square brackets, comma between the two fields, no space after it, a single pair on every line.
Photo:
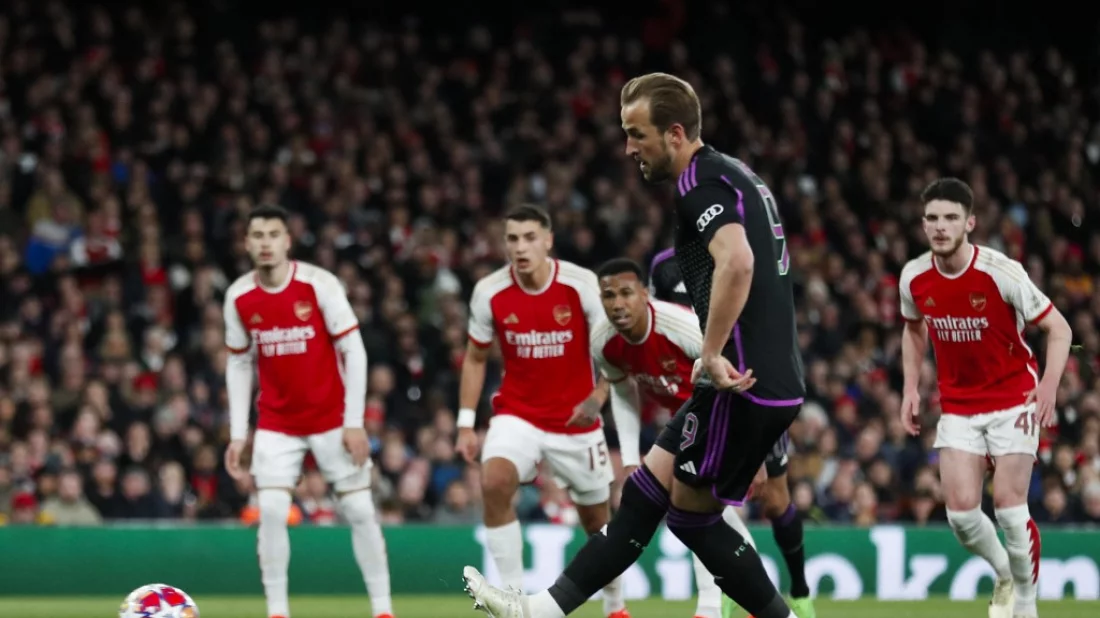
[687,519]
[772,403]
[650,487]
[716,434]
[661,257]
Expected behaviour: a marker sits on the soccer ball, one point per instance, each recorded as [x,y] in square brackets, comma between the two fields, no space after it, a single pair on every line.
[158,601]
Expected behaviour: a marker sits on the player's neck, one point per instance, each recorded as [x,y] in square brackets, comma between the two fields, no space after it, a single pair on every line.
[536,279]
[956,262]
[683,159]
[275,276]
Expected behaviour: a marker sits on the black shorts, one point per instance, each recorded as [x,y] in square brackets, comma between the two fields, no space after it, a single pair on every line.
[721,439]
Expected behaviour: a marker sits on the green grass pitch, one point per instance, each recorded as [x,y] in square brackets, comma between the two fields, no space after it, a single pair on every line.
[458,606]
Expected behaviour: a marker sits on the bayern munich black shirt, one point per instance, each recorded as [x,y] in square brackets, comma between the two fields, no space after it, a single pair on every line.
[716,190]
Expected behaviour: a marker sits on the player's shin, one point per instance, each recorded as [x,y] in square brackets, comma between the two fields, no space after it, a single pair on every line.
[608,553]
[709,604]
[735,564]
[274,548]
[787,529]
[976,532]
[369,547]
[1024,548]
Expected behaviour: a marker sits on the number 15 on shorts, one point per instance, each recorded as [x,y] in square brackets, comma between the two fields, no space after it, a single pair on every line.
[597,455]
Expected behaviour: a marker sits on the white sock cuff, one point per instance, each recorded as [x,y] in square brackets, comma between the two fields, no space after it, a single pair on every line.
[273,499]
[1013,516]
[357,505]
[965,519]
[510,528]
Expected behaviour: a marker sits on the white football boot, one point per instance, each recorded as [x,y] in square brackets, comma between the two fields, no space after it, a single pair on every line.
[496,603]
[1004,599]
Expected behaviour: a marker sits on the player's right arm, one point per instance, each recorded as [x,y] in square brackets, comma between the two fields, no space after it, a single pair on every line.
[914,347]
[480,338]
[238,383]
[625,404]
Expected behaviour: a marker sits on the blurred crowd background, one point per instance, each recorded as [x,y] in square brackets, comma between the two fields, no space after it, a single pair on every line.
[134,137]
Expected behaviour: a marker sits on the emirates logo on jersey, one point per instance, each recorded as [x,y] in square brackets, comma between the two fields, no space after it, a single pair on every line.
[977,301]
[562,314]
[303,310]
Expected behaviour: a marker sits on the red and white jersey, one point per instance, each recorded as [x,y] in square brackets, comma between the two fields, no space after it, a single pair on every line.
[544,338]
[661,362]
[976,321]
[292,330]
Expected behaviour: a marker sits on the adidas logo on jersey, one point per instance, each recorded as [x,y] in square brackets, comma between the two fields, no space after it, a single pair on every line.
[929,302]
[689,467]
[680,288]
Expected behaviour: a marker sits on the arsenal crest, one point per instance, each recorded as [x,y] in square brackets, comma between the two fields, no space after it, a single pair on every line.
[977,301]
[303,310]
[668,363]
[562,314]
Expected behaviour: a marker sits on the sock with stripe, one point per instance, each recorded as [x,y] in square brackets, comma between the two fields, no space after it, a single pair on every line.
[1024,549]
[787,529]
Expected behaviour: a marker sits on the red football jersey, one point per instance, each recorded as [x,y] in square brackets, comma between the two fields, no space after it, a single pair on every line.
[976,321]
[544,338]
[292,331]
[661,362]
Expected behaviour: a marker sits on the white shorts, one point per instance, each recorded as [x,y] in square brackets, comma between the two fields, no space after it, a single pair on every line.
[993,433]
[277,460]
[579,461]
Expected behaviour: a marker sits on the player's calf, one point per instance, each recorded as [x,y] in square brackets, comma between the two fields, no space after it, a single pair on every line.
[593,518]
[503,536]
[736,566]
[273,547]
[608,553]
[787,530]
[1022,539]
[369,547]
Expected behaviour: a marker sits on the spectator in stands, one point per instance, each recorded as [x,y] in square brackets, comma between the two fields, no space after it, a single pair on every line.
[69,507]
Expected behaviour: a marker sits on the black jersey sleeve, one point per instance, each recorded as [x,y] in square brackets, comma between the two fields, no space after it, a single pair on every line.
[710,205]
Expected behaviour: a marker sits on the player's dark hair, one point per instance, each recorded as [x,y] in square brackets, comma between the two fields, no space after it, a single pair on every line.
[269,211]
[528,212]
[620,266]
[671,101]
[949,190]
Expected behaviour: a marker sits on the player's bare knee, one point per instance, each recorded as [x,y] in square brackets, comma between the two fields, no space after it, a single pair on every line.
[660,464]
[593,517]
[273,504]
[1012,480]
[776,496]
[694,499]
[499,483]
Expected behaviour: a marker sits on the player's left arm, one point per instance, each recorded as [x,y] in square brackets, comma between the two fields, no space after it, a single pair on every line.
[589,292]
[1037,309]
[343,328]
[716,211]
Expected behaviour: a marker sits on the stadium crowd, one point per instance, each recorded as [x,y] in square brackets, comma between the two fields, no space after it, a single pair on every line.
[131,144]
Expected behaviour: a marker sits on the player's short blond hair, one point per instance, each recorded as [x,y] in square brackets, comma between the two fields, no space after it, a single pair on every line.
[671,101]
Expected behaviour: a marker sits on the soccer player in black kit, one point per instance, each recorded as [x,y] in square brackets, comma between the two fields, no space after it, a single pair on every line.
[749,384]
[667,283]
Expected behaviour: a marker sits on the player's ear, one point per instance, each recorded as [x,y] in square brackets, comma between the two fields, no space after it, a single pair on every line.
[971,223]
[675,135]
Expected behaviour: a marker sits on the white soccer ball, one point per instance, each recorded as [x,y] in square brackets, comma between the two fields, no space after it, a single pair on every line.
[158,601]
